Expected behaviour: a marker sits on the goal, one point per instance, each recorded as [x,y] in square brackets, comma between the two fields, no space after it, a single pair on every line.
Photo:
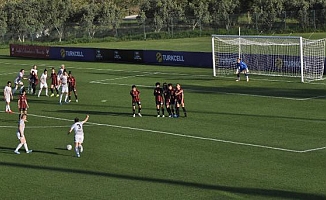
[270,56]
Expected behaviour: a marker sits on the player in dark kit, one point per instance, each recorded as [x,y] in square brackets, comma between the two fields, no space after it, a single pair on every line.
[158,93]
[54,83]
[170,100]
[22,103]
[72,86]
[180,100]
[166,96]
[135,99]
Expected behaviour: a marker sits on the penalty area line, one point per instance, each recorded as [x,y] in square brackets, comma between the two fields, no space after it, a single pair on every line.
[189,136]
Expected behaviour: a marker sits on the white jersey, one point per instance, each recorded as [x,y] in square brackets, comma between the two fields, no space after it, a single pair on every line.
[19,78]
[43,78]
[7,92]
[78,128]
[64,79]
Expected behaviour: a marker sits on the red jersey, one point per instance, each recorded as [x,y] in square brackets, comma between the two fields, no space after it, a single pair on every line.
[135,96]
[179,94]
[71,81]
[54,78]
[22,101]
[158,93]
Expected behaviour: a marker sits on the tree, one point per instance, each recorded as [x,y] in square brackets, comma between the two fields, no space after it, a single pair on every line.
[56,14]
[221,11]
[267,11]
[90,15]
[199,10]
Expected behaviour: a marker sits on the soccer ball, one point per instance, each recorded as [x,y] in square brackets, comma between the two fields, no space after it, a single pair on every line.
[69,147]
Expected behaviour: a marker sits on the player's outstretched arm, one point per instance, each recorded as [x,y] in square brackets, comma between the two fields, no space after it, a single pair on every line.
[86,119]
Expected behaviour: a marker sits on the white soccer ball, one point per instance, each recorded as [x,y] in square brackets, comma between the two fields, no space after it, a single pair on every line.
[69,147]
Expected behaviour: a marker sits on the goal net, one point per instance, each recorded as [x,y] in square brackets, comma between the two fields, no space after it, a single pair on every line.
[269,56]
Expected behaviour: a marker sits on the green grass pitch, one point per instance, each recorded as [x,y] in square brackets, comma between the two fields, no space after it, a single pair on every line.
[259,140]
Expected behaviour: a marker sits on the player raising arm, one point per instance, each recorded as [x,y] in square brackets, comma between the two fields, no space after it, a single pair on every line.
[242,67]
[135,99]
[77,127]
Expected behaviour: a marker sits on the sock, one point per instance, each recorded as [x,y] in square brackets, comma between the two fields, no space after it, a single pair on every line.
[56,89]
[158,111]
[76,96]
[7,109]
[139,109]
[46,91]
[19,146]
[77,151]
[66,97]
[173,110]
[60,98]
[51,90]
[169,110]
[39,92]
[177,111]
[25,146]
[133,111]
[69,97]
[81,148]
[184,111]
[162,111]
[238,75]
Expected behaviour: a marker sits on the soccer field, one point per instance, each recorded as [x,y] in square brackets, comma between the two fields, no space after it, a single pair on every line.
[257,140]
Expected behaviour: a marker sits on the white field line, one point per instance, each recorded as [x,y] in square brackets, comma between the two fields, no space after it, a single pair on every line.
[187,136]
[9,73]
[40,127]
[207,91]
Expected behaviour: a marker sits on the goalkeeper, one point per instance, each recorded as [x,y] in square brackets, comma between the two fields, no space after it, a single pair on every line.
[242,67]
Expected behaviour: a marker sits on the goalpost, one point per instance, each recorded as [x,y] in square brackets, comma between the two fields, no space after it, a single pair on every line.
[269,55]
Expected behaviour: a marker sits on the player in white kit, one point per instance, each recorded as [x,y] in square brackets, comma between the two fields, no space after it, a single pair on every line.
[79,134]
[21,135]
[7,92]
[19,81]
[64,86]
[43,83]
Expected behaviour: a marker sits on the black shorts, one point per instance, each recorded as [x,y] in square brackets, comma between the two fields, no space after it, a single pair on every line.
[71,88]
[136,102]
[159,102]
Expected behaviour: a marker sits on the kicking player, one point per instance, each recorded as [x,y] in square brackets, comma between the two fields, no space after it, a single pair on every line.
[54,83]
[22,103]
[79,135]
[242,67]
[158,93]
[43,83]
[179,95]
[19,81]
[135,99]
[64,86]
[7,93]
[21,135]
[72,86]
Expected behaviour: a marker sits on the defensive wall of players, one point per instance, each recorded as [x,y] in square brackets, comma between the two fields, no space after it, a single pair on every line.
[153,57]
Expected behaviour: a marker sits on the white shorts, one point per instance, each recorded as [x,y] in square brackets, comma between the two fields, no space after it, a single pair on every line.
[18,135]
[64,88]
[43,85]
[79,138]
[8,99]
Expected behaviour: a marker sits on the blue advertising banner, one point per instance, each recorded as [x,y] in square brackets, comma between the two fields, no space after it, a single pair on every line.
[119,55]
[178,58]
[72,53]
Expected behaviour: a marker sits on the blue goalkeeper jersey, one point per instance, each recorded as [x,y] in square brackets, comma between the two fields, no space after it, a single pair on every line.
[242,65]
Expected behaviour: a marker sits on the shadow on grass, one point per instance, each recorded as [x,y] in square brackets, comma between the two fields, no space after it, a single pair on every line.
[10,150]
[272,193]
